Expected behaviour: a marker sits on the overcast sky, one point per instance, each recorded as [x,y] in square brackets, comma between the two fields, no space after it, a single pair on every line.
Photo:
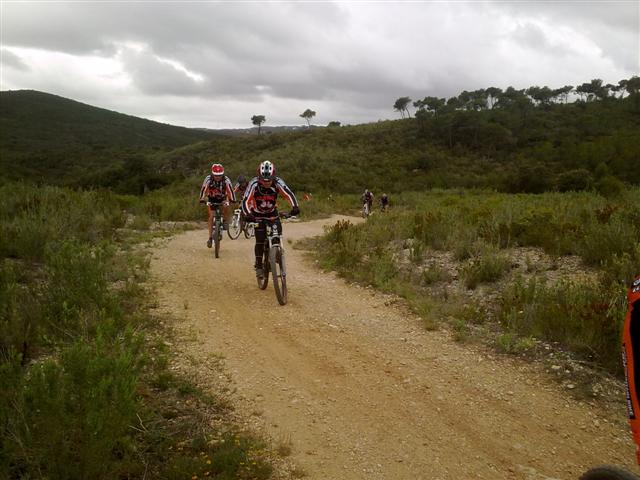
[216,64]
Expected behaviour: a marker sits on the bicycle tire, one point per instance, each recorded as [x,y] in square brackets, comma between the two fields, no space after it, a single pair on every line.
[264,281]
[276,260]
[249,230]
[217,237]
[608,472]
[365,211]
[235,227]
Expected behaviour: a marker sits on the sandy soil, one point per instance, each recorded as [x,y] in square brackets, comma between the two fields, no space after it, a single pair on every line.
[361,389]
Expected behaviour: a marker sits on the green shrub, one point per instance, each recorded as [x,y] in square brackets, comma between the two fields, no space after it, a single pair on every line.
[585,317]
[70,418]
[488,266]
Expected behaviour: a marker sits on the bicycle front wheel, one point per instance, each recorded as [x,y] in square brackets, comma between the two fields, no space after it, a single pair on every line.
[249,230]
[276,260]
[264,281]
[217,236]
[235,227]
[608,472]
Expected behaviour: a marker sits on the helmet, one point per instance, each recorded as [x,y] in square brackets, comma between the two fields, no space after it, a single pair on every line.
[241,179]
[217,170]
[266,171]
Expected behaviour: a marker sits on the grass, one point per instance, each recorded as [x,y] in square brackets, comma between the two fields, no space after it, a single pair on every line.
[480,228]
[86,390]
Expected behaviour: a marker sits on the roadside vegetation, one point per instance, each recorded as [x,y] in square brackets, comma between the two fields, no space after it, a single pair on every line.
[481,260]
[87,388]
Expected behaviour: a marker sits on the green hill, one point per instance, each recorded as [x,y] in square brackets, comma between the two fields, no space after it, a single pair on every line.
[538,148]
[52,139]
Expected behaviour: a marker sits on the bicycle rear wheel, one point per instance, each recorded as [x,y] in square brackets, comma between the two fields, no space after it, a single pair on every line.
[276,260]
[608,472]
[235,227]
[217,236]
[264,281]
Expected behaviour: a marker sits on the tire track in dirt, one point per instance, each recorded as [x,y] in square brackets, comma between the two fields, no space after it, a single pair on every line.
[358,385]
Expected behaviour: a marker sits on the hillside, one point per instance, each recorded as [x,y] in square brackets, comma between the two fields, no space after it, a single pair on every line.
[54,139]
[553,147]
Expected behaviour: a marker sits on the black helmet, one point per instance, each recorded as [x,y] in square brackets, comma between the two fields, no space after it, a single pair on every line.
[241,179]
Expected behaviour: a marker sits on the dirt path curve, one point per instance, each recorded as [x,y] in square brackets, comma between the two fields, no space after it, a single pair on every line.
[361,389]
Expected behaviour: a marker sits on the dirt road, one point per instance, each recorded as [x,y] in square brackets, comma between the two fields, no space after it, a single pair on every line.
[362,389]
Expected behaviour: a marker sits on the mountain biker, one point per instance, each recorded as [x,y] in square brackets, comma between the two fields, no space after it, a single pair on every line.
[384,202]
[259,202]
[631,361]
[241,186]
[367,197]
[217,190]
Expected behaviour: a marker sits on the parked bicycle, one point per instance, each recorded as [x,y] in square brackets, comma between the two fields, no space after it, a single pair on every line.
[217,227]
[273,259]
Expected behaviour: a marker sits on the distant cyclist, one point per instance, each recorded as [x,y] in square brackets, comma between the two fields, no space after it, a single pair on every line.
[367,197]
[241,186]
[259,202]
[217,190]
[384,202]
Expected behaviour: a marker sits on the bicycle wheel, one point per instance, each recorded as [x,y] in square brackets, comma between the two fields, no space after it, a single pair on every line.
[264,281]
[249,230]
[276,260]
[235,227]
[217,236]
[608,472]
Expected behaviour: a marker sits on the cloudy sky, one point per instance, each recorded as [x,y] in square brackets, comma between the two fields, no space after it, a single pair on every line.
[216,64]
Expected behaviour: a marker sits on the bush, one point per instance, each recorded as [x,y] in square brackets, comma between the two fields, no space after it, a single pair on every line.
[70,418]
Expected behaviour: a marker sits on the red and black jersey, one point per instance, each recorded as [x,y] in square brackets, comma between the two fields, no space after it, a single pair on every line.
[215,191]
[631,360]
[261,201]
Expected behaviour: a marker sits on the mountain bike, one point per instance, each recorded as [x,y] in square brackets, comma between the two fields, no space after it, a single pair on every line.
[236,225]
[273,259]
[608,472]
[217,227]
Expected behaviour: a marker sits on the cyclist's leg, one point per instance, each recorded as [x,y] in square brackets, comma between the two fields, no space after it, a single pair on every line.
[226,213]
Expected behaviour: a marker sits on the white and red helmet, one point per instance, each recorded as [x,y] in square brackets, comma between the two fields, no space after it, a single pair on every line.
[217,170]
[266,171]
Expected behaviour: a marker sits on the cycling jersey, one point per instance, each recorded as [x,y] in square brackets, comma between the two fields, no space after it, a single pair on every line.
[631,360]
[217,191]
[384,200]
[367,197]
[261,201]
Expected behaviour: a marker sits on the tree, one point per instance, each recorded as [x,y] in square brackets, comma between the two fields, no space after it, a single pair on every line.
[333,124]
[308,115]
[401,106]
[562,93]
[493,93]
[431,105]
[258,120]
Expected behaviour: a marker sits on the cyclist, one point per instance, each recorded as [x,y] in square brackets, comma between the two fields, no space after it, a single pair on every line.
[259,202]
[367,197]
[631,361]
[384,202]
[241,186]
[217,190]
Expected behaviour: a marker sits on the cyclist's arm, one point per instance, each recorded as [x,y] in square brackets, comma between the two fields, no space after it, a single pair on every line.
[287,193]
[247,200]
[203,189]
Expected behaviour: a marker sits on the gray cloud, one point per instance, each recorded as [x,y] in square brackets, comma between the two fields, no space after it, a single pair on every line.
[12,60]
[349,61]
